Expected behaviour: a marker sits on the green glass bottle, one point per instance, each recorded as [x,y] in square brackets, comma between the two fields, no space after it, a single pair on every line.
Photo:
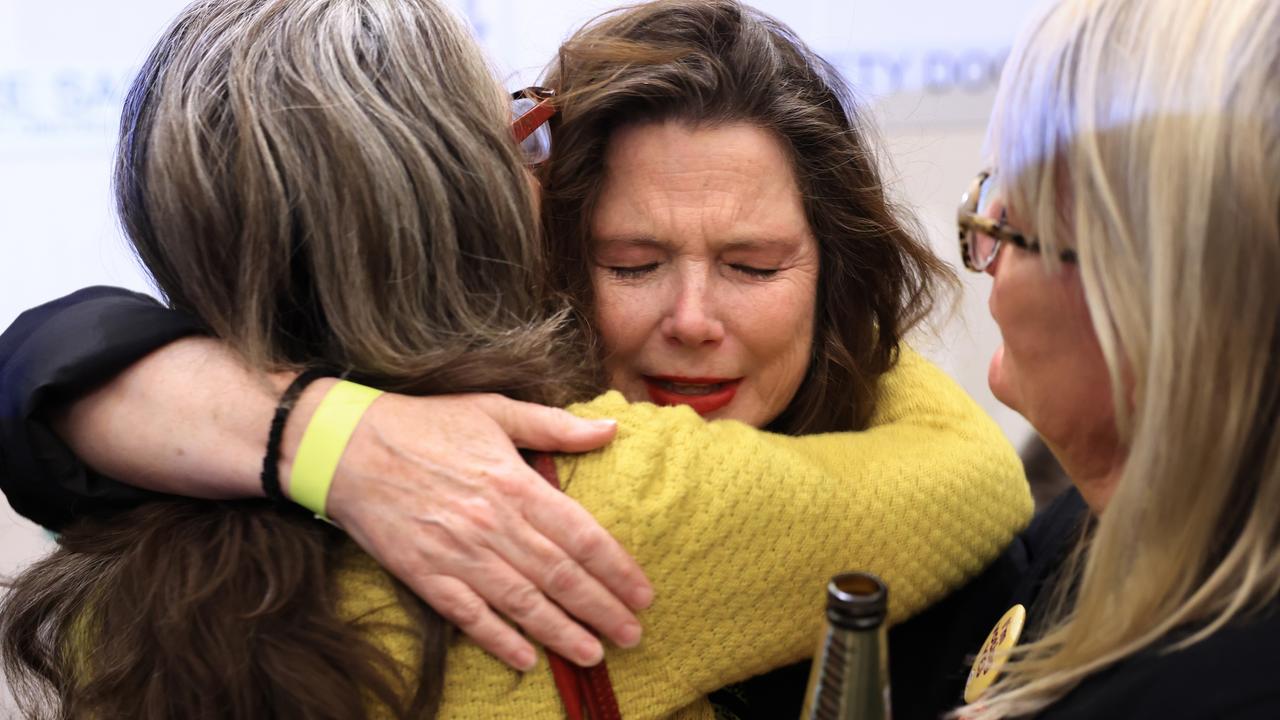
[850,675]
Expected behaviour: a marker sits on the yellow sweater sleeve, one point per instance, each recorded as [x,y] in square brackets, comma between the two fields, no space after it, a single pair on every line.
[739,530]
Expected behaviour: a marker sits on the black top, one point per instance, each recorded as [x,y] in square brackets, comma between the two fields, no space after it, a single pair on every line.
[1233,675]
[930,655]
[55,352]
[60,350]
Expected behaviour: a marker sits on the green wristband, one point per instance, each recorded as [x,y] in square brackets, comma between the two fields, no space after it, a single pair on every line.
[323,442]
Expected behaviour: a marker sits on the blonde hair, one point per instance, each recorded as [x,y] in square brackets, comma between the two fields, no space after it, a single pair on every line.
[1144,134]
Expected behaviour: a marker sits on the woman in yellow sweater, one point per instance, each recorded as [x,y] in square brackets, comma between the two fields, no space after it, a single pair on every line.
[249,610]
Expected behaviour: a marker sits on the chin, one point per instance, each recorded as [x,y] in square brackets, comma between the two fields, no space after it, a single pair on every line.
[729,413]
[630,392]
[756,417]
[998,380]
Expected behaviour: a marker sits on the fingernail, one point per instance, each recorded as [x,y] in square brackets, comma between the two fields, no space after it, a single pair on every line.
[605,422]
[629,635]
[642,597]
[590,653]
[526,660]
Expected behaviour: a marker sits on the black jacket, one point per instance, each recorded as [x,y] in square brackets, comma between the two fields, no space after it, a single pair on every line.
[1232,675]
[55,352]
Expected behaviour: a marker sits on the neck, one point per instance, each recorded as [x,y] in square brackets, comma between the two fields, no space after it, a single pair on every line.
[1096,490]
[1094,474]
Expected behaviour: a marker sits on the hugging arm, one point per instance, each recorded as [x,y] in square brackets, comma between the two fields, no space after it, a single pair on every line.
[740,530]
[434,488]
[926,497]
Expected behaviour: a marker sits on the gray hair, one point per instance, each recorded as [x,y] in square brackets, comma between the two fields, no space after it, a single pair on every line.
[334,181]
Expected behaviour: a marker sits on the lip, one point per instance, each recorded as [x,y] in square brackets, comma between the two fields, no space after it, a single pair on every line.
[704,404]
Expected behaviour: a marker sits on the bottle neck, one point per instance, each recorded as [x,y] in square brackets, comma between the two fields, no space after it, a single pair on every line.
[850,676]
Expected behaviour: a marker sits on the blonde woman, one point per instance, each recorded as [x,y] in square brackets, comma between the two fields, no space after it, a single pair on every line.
[1131,225]
[334,183]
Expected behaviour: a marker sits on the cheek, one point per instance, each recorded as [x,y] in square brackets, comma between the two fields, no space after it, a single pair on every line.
[1052,371]
[626,319]
[1025,302]
[779,334]
[614,314]
[1072,407]
[1084,383]
[616,332]
[1022,369]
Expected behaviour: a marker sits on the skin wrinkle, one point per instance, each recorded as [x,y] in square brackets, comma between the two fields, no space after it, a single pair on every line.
[465,547]
[688,220]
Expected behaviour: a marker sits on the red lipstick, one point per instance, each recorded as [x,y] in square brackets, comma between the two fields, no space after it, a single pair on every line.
[704,394]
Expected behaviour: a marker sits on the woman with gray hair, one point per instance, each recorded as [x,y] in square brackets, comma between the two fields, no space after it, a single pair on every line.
[1131,224]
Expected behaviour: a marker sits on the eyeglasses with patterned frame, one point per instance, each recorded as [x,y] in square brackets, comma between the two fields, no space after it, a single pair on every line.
[980,235]
[532,110]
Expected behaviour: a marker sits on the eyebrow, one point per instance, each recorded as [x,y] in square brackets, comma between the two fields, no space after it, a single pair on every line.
[735,244]
[638,240]
[763,243]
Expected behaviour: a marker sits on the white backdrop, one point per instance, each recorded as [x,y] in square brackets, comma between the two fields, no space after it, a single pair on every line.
[927,68]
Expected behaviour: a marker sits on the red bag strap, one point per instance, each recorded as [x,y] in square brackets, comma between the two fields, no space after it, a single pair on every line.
[587,693]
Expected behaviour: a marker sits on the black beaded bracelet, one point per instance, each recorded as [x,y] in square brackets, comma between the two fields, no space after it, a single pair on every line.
[271,463]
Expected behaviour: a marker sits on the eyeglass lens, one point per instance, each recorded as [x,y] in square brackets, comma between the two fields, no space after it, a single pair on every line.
[983,247]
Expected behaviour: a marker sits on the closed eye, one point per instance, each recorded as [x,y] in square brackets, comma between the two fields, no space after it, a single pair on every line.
[755,272]
[631,272]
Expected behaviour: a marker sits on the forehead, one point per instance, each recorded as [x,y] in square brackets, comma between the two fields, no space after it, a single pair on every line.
[728,181]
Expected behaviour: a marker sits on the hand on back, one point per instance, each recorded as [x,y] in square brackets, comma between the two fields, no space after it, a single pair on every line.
[435,490]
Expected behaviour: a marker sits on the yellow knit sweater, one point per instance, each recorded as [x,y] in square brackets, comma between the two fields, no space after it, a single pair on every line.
[739,530]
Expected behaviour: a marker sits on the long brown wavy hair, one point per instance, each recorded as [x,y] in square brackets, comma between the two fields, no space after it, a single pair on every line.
[719,61]
[326,182]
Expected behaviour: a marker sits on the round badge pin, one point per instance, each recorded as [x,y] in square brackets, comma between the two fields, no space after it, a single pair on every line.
[994,653]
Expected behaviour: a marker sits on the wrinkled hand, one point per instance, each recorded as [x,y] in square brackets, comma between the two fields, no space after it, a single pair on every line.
[434,489]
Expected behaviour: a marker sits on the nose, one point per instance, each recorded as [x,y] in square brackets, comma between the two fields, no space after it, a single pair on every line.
[692,319]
